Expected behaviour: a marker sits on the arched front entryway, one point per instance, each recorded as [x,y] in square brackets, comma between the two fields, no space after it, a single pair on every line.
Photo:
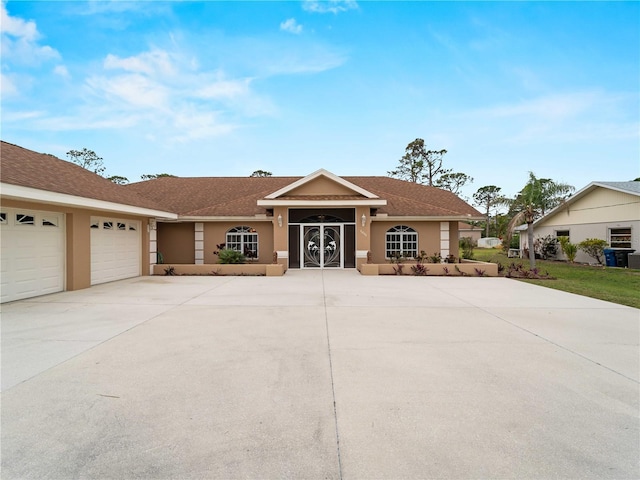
[322,238]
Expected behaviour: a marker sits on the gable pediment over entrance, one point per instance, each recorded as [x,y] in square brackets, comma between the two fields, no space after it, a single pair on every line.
[321,183]
[322,188]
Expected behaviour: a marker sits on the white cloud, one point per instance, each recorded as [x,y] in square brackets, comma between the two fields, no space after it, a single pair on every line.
[17,27]
[329,6]
[550,107]
[8,87]
[62,71]
[221,89]
[193,124]
[20,40]
[557,118]
[132,90]
[153,62]
[290,25]
[164,95]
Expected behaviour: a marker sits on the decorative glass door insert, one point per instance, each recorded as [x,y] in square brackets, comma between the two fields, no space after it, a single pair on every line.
[321,245]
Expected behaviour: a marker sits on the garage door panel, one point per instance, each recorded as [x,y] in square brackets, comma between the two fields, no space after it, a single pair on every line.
[32,252]
[115,251]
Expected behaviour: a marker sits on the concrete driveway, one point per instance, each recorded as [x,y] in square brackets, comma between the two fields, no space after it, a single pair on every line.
[319,375]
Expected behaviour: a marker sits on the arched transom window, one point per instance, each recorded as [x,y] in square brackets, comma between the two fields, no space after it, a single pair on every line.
[401,241]
[243,239]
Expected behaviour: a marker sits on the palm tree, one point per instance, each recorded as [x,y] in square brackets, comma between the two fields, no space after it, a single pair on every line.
[537,197]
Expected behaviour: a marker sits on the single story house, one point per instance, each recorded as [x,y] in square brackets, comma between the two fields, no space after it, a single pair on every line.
[65,228]
[605,210]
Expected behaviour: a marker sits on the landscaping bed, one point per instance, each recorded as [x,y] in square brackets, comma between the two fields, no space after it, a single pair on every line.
[255,269]
[467,268]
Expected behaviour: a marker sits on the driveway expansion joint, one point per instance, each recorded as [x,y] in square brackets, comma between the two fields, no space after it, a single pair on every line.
[333,390]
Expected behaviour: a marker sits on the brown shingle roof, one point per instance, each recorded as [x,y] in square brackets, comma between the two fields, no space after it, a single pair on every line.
[26,168]
[212,196]
[238,196]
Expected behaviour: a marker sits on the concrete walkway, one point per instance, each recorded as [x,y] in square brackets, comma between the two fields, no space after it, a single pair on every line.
[319,375]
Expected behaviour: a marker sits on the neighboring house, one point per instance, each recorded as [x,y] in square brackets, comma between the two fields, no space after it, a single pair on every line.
[65,228]
[606,210]
[107,231]
[466,230]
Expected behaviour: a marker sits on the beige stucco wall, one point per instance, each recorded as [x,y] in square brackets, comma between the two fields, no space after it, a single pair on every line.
[215,233]
[599,206]
[176,242]
[428,237]
[78,238]
[454,239]
[321,186]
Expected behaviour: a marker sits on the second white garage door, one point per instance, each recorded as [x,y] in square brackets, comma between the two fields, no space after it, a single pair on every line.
[115,249]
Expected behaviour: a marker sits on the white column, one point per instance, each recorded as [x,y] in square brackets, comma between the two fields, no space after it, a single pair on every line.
[444,239]
[199,246]
[153,246]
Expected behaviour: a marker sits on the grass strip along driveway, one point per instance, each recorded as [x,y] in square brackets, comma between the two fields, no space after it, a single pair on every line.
[617,285]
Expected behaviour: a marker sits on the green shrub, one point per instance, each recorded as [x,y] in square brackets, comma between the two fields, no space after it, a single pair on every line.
[570,250]
[467,245]
[594,247]
[228,255]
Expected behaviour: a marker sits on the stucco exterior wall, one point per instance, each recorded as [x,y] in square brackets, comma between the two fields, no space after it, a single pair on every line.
[321,186]
[578,233]
[599,206]
[176,242]
[428,237]
[78,238]
[454,239]
[215,233]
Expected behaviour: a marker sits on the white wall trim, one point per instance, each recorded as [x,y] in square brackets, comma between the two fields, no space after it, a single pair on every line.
[444,239]
[29,194]
[322,203]
[199,244]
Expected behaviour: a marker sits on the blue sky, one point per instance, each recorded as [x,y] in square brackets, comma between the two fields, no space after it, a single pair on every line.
[226,88]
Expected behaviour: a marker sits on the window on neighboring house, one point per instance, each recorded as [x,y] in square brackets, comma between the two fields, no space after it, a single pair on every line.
[401,241]
[562,233]
[620,237]
[243,239]
[23,219]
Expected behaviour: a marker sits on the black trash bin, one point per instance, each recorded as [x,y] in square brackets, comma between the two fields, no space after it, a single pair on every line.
[610,257]
[622,256]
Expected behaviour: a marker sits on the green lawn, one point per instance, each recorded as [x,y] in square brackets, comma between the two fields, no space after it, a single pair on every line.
[617,285]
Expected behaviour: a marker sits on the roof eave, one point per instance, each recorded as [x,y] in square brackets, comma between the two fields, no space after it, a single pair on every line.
[425,218]
[224,218]
[368,202]
[17,192]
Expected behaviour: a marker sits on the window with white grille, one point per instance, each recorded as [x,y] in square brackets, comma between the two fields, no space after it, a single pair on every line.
[401,241]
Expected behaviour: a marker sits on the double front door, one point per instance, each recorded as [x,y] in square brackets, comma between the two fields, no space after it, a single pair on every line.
[322,246]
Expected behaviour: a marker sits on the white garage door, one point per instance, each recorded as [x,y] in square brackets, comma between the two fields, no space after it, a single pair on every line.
[31,253]
[115,249]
